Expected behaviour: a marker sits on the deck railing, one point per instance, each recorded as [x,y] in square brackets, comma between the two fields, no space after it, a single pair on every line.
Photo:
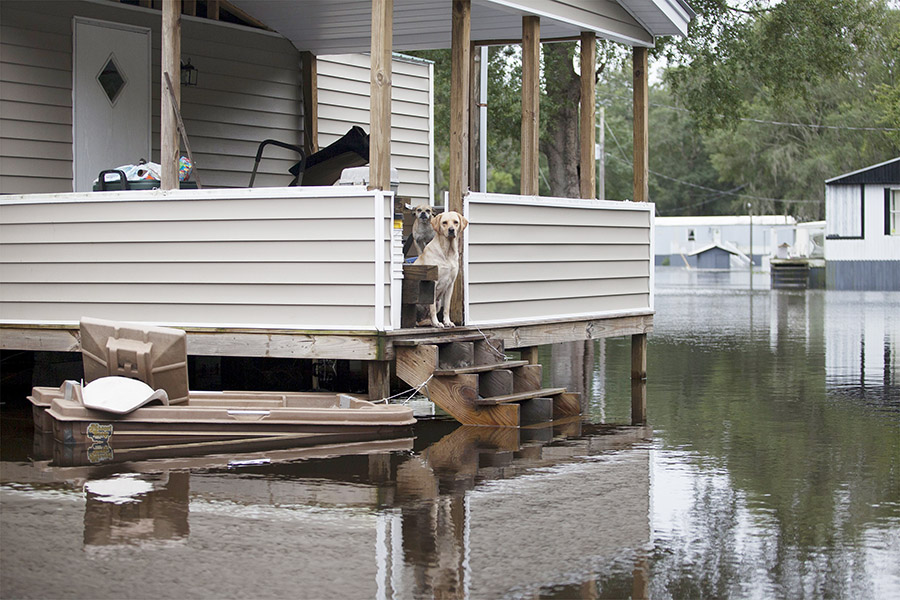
[316,258]
[534,259]
[308,259]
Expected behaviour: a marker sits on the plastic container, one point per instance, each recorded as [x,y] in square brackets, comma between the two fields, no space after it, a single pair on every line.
[123,183]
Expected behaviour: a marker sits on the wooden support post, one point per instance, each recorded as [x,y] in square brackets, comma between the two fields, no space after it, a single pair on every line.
[212,9]
[310,103]
[638,378]
[171,63]
[460,48]
[588,113]
[531,94]
[472,181]
[380,100]
[641,127]
[460,62]
[379,375]
[190,7]
[531,355]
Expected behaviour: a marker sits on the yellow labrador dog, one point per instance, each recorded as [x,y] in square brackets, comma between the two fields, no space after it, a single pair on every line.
[443,251]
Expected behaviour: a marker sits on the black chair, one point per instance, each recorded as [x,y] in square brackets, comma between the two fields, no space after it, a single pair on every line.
[325,166]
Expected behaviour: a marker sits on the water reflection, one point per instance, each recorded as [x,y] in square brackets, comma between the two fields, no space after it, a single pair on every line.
[465,513]
[772,469]
[133,509]
[861,348]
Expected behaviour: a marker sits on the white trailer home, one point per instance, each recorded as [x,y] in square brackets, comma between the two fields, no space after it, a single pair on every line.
[862,236]
[302,271]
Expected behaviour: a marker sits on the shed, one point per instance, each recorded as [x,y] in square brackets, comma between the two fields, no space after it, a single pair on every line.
[862,242]
[715,256]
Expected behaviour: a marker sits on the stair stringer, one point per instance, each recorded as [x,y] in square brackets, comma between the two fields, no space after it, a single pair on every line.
[455,394]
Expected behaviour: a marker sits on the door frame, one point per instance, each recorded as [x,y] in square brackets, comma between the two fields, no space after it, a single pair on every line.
[111,25]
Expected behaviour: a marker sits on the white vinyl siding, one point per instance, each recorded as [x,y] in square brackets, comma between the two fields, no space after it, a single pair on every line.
[248,90]
[531,258]
[300,258]
[343,83]
[843,210]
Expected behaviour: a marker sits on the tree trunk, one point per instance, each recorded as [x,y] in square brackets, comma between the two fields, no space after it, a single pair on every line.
[559,115]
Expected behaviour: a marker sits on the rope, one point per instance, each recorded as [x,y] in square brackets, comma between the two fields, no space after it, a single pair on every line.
[412,392]
[494,350]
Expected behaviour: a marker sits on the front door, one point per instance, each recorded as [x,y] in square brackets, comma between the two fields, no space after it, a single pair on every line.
[111,98]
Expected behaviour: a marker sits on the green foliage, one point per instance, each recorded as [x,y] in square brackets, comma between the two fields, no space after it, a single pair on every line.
[760,104]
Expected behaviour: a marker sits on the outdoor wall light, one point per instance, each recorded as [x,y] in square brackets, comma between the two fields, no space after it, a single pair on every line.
[188,73]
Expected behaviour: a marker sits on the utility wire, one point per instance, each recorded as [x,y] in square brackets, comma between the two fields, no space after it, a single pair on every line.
[783,123]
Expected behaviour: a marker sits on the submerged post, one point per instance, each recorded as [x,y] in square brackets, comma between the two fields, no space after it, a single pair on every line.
[380,99]
[638,378]
[171,64]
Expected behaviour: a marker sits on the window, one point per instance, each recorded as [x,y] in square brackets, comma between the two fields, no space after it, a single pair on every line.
[892,211]
[844,211]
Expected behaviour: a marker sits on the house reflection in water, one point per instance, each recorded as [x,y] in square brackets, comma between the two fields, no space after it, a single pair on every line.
[861,347]
[134,509]
[468,509]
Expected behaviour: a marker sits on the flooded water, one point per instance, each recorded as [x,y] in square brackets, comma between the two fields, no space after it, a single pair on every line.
[770,468]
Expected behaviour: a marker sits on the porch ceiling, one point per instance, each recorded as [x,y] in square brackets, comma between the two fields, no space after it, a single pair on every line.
[330,27]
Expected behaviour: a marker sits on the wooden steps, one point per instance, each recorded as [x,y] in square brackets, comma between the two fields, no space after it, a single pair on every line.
[468,377]
[510,364]
[548,392]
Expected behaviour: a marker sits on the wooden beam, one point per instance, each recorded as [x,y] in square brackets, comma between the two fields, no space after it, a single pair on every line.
[310,103]
[518,41]
[212,9]
[171,63]
[380,100]
[641,127]
[531,94]
[588,179]
[190,7]
[243,16]
[460,64]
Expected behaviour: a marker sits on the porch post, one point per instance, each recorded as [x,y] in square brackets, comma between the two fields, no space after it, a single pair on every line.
[531,94]
[171,63]
[380,99]
[641,129]
[460,62]
[588,179]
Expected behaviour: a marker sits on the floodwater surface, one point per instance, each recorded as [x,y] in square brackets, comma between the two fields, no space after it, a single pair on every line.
[769,468]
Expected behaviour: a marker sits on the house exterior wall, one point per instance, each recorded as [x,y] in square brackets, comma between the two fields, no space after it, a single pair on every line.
[248,90]
[343,83]
[869,262]
[273,258]
[529,258]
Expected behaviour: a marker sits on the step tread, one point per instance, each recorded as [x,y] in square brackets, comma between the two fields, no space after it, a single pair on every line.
[510,364]
[518,397]
[437,340]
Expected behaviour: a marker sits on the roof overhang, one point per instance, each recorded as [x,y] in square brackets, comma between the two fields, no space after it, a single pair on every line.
[330,27]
